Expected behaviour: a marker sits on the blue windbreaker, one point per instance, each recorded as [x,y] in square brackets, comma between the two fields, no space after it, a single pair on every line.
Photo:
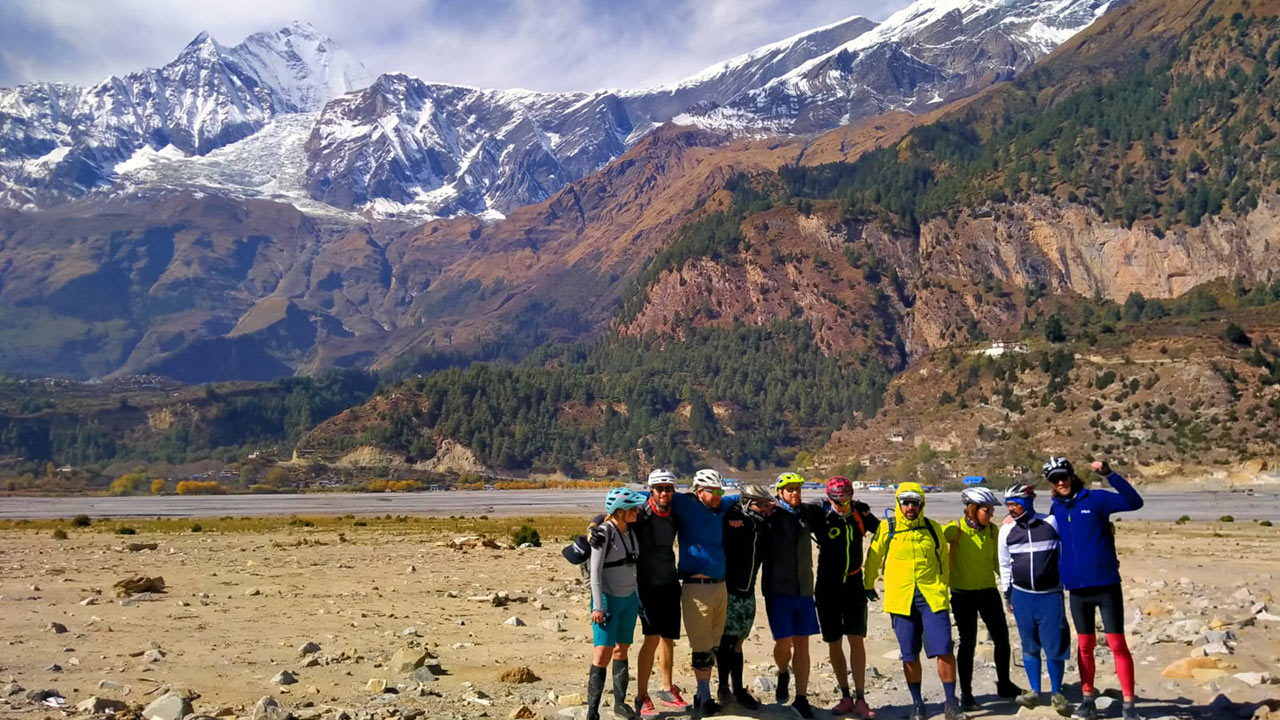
[701,534]
[1088,556]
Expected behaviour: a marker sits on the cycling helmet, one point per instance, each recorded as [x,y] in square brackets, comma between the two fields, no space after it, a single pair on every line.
[756,493]
[661,476]
[707,478]
[788,478]
[839,488]
[909,495]
[1019,491]
[979,496]
[1057,466]
[622,498]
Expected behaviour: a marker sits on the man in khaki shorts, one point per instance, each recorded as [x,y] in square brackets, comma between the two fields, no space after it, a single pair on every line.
[703,597]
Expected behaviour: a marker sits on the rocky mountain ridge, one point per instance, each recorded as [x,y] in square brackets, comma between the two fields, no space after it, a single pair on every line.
[399,146]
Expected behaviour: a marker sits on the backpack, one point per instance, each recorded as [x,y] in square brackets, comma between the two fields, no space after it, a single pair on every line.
[928,524]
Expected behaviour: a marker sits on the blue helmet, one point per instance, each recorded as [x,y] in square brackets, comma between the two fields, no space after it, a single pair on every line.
[621,498]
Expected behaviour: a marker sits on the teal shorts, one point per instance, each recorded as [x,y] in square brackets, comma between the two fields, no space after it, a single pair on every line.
[619,627]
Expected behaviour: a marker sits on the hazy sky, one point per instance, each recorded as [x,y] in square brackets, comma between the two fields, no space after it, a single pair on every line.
[541,45]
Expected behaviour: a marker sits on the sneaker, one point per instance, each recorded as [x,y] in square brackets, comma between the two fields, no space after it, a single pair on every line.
[1007,690]
[707,707]
[782,693]
[623,711]
[918,712]
[746,700]
[644,705]
[802,707]
[862,710]
[967,702]
[844,707]
[671,698]
[1130,711]
[952,711]
[1060,704]
[1028,699]
[1087,709]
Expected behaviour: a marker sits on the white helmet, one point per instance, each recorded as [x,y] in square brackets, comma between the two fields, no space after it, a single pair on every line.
[707,477]
[661,476]
[979,496]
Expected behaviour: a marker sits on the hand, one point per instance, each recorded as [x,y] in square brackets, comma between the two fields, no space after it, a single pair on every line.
[597,617]
[872,596]
[596,536]
[1101,467]
[1009,608]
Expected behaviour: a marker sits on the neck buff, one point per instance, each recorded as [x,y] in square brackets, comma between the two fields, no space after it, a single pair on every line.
[1027,504]
[654,507]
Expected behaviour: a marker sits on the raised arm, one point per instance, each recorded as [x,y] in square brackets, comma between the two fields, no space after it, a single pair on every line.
[1126,497]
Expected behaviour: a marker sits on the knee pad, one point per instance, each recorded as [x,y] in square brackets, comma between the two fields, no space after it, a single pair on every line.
[703,660]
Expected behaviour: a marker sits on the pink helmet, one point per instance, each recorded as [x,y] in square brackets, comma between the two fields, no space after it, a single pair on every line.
[839,488]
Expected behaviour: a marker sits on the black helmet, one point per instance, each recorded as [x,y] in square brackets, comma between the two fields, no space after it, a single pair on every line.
[1058,466]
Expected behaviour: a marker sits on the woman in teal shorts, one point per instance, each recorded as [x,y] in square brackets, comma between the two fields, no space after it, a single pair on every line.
[614,602]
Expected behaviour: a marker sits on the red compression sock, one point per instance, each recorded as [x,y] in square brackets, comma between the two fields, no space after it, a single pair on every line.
[1124,663]
[1087,643]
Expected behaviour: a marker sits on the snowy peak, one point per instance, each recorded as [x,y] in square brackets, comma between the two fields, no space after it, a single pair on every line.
[304,67]
[58,142]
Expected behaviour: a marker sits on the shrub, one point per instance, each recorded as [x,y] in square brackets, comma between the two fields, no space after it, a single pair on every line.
[1265,523]
[360,523]
[1105,379]
[199,487]
[197,528]
[1227,518]
[526,534]
[299,522]
[157,486]
[1236,334]
[126,530]
[80,521]
[1183,520]
[59,534]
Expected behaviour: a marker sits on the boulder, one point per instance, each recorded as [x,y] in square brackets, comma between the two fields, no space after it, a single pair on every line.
[1182,669]
[140,584]
[170,706]
[376,685]
[518,674]
[308,648]
[524,712]
[284,677]
[514,621]
[408,659]
[56,628]
[268,709]
[97,705]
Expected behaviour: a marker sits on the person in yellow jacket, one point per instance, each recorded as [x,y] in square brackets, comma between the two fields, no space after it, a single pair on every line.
[974,572]
[912,553]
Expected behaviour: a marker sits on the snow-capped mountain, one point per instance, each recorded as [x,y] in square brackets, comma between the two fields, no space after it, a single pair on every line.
[929,53]
[401,146]
[58,141]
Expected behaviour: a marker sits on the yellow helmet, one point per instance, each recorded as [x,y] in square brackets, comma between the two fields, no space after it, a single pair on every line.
[788,478]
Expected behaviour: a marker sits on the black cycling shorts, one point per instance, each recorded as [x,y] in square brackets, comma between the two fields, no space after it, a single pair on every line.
[842,609]
[660,610]
[1085,603]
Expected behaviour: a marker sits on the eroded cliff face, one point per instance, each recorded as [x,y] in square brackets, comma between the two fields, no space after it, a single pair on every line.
[793,266]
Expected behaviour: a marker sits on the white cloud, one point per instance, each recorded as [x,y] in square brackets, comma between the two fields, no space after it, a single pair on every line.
[544,45]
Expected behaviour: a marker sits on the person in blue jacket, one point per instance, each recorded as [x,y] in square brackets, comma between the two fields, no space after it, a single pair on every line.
[703,597]
[1090,570]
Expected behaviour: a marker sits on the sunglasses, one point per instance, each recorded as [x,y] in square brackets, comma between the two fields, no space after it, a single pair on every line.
[1057,479]
[663,488]
[716,492]
[910,503]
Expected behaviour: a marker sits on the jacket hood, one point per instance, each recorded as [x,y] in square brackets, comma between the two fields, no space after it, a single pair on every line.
[897,509]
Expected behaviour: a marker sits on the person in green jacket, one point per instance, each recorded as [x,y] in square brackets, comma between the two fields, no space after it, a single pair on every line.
[910,550]
[974,572]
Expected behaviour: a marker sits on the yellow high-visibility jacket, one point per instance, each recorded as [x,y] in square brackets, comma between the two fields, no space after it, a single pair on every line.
[914,558]
[973,555]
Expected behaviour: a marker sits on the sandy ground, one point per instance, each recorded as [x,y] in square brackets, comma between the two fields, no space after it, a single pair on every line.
[239,605]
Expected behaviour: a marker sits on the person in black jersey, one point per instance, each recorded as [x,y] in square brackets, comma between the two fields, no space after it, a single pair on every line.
[744,528]
[838,525]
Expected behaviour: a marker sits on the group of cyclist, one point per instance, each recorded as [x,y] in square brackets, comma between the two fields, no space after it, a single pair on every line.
[971,567]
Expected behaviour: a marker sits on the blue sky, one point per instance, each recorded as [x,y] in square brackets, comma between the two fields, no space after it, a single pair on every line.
[547,45]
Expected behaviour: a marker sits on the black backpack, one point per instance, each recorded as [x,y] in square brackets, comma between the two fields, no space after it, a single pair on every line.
[893,529]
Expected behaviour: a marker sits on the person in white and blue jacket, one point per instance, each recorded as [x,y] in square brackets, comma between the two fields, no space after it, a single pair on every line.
[1028,549]
[1090,570]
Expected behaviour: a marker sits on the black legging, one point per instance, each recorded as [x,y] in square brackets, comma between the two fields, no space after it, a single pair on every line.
[966,606]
